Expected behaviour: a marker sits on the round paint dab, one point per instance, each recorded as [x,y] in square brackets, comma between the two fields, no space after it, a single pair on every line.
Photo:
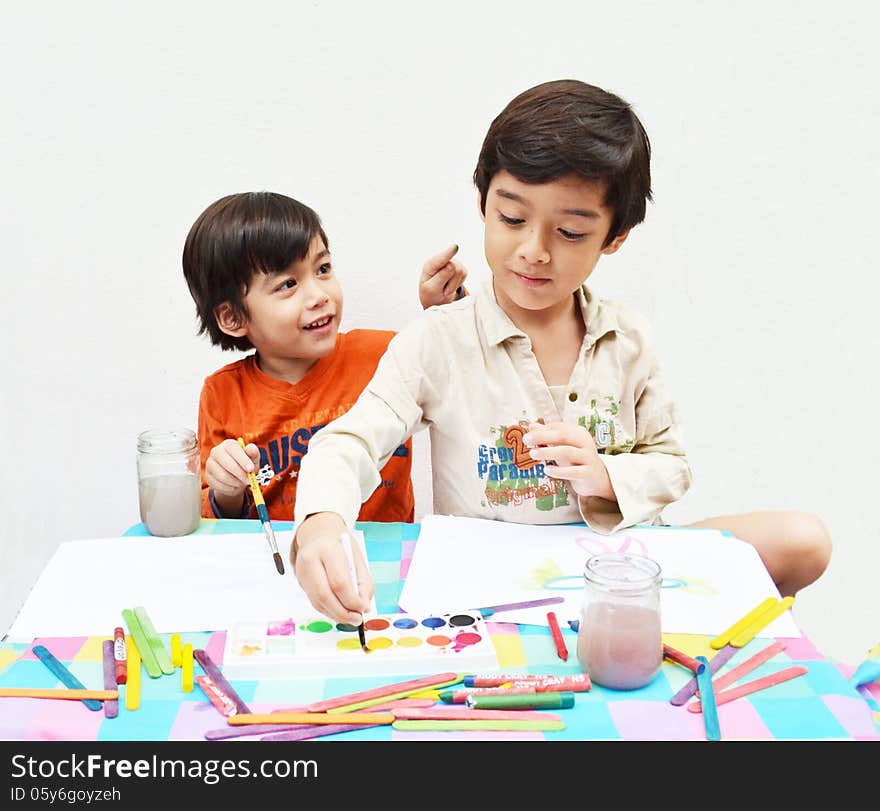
[433,622]
[345,627]
[459,620]
[409,642]
[466,639]
[439,640]
[379,643]
[377,624]
[318,626]
[405,624]
[349,643]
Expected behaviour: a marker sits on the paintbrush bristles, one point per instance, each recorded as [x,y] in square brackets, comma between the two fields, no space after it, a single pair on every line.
[279,564]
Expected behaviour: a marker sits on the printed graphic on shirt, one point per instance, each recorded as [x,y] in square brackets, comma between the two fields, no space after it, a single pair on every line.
[605,427]
[512,477]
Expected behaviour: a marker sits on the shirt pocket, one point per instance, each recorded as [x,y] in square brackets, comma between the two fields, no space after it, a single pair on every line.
[610,423]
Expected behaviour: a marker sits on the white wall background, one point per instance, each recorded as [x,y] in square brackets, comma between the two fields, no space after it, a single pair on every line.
[757,262]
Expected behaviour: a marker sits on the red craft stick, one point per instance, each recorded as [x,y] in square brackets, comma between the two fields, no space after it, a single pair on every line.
[753,686]
[413,685]
[682,658]
[556,633]
[747,666]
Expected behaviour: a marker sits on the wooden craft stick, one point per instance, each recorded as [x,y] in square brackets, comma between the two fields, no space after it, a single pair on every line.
[707,693]
[751,631]
[68,693]
[447,726]
[186,668]
[736,673]
[360,718]
[397,690]
[176,650]
[450,714]
[724,638]
[63,674]
[372,702]
[227,732]
[141,642]
[753,686]
[310,732]
[154,640]
[690,688]
[207,664]
[385,705]
[133,681]
[108,661]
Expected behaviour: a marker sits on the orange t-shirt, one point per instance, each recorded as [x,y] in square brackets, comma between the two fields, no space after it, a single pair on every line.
[240,400]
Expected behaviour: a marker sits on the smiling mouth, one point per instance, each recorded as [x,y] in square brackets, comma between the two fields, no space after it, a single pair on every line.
[531,280]
[320,322]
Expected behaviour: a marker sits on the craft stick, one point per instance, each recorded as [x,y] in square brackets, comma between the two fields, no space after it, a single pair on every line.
[707,696]
[359,718]
[681,658]
[690,688]
[186,668]
[63,674]
[753,686]
[176,650]
[387,705]
[119,660]
[252,729]
[747,666]
[109,663]
[489,610]
[67,693]
[154,640]
[449,714]
[724,638]
[133,683]
[448,726]
[224,704]
[396,690]
[151,665]
[310,732]
[751,631]
[202,657]
[371,702]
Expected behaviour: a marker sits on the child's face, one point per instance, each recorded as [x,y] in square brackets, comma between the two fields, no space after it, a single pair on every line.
[293,316]
[543,240]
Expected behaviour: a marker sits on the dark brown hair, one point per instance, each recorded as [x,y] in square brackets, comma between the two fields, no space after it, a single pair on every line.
[234,238]
[567,127]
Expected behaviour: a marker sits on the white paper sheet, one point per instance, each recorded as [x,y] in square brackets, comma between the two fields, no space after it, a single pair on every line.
[710,580]
[192,583]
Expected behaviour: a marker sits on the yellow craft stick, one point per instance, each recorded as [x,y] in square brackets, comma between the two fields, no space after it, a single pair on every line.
[186,671]
[51,692]
[723,638]
[748,633]
[176,652]
[242,719]
[133,680]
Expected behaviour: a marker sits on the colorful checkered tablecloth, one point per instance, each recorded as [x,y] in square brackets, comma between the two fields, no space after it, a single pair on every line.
[820,705]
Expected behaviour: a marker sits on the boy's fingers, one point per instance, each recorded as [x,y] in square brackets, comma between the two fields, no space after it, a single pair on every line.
[438,262]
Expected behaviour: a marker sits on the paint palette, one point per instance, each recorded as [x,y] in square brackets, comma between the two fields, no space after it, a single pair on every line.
[399,645]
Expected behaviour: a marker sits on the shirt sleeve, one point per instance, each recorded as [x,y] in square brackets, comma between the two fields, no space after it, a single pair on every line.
[342,466]
[652,475]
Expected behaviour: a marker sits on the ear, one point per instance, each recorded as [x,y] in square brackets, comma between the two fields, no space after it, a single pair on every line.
[616,243]
[228,321]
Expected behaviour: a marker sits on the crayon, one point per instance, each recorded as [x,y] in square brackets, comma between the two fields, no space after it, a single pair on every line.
[120,663]
[681,658]
[571,684]
[461,696]
[576,682]
[538,701]
[556,634]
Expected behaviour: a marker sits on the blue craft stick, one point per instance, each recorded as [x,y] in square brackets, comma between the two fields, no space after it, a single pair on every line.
[707,699]
[867,671]
[64,675]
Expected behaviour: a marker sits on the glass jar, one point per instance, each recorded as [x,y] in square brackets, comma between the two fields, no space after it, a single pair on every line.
[169,481]
[619,643]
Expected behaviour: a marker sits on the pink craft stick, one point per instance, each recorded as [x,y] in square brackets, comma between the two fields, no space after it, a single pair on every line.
[413,685]
[315,731]
[736,673]
[753,686]
[450,714]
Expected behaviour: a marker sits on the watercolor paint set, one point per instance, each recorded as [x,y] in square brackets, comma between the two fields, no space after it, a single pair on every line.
[398,644]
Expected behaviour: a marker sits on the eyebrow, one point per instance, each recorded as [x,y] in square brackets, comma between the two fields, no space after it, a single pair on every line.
[577,212]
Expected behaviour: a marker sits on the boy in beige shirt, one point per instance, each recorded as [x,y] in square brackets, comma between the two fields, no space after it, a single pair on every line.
[544,404]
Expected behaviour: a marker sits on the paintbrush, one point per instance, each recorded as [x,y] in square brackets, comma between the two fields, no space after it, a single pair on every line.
[264,517]
[346,546]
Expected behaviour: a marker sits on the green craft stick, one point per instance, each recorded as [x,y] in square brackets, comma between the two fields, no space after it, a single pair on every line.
[465,725]
[162,656]
[137,634]
[382,699]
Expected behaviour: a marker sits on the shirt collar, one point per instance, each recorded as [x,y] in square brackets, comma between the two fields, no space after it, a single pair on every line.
[498,327]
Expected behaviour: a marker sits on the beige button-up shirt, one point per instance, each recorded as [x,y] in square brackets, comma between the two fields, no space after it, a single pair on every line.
[466,373]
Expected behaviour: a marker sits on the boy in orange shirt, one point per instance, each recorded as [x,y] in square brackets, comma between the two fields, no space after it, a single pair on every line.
[258,268]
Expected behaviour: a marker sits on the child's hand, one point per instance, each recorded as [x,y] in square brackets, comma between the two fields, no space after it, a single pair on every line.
[569,452]
[321,567]
[441,279]
[226,473]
